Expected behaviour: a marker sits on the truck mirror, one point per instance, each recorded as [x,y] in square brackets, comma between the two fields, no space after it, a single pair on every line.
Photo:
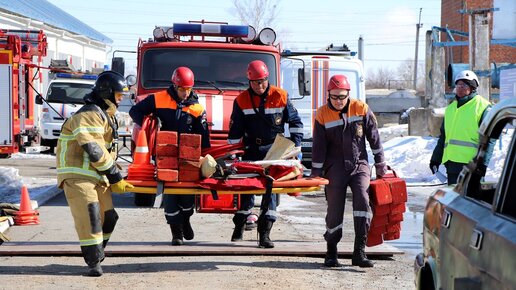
[118,65]
[39,99]
[303,81]
[131,80]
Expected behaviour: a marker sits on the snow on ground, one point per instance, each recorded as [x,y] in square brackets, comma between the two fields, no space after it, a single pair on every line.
[409,156]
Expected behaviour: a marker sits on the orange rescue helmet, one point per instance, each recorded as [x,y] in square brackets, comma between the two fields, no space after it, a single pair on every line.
[257,70]
[183,77]
[338,82]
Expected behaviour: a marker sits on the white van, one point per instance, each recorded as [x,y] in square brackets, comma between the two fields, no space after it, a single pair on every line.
[64,97]
[305,75]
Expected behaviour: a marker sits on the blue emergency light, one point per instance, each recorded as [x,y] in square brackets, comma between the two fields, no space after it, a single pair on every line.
[223,30]
[76,76]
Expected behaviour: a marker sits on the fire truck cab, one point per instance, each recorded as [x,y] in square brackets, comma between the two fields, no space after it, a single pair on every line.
[217,53]
[18,130]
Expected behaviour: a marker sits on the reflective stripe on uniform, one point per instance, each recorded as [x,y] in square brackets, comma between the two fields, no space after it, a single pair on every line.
[80,171]
[331,231]
[355,118]
[362,214]
[273,110]
[295,130]
[246,212]
[99,130]
[233,141]
[317,165]
[463,143]
[248,112]
[334,124]
[376,151]
[269,213]
[172,213]
[91,242]
[186,209]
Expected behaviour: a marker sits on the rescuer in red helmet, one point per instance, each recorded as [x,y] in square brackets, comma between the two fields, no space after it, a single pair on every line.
[179,110]
[341,129]
[259,114]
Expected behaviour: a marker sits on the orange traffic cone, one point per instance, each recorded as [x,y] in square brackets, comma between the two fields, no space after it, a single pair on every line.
[26,215]
[141,152]
[141,168]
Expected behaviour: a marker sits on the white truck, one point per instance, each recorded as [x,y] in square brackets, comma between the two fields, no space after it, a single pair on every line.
[305,75]
[64,97]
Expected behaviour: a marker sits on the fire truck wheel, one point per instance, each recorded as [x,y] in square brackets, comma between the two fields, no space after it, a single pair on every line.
[3,156]
[142,199]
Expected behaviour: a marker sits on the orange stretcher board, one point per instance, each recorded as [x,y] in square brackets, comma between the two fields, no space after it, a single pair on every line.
[287,186]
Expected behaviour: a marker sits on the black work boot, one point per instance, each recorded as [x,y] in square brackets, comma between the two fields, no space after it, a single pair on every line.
[188,232]
[94,270]
[238,232]
[359,257]
[177,234]
[264,230]
[331,258]
[93,255]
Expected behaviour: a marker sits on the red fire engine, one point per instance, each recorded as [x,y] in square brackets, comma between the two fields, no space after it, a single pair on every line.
[17,125]
[217,53]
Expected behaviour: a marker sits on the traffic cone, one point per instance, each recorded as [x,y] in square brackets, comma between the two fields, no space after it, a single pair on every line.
[26,215]
[141,168]
[141,152]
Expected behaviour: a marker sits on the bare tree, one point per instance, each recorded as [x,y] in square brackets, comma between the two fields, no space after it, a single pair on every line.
[405,72]
[257,13]
[380,78]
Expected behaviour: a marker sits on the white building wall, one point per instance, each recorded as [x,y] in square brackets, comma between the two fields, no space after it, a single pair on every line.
[84,53]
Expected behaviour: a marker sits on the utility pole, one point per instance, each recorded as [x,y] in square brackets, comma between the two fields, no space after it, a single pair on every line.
[418,26]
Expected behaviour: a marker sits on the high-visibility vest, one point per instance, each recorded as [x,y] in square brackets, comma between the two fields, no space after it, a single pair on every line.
[461,129]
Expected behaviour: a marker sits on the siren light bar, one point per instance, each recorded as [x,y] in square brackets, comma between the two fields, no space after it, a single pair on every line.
[76,76]
[245,33]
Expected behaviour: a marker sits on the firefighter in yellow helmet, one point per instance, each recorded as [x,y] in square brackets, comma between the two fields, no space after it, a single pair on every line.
[86,167]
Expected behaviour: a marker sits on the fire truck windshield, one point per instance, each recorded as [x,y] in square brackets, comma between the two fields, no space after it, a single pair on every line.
[223,70]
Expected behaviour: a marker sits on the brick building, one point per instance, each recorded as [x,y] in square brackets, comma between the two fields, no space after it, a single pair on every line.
[451,18]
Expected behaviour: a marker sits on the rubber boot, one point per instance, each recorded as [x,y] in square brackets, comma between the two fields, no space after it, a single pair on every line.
[359,257]
[177,234]
[94,270]
[238,232]
[93,255]
[188,232]
[331,258]
[264,230]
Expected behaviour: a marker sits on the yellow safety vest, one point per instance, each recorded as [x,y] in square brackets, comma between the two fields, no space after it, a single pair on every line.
[461,129]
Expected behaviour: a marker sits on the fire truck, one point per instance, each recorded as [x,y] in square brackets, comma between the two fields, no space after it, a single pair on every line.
[217,53]
[18,48]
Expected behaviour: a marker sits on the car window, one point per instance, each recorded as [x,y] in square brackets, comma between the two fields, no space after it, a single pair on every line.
[508,198]
[482,186]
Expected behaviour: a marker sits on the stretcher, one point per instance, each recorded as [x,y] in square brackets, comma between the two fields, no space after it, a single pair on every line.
[278,187]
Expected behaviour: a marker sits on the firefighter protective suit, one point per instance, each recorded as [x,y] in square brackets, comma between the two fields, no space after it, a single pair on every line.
[257,119]
[339,154]
[187,116]
[86,154]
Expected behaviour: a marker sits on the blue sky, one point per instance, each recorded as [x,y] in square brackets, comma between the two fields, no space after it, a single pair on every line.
[388,27]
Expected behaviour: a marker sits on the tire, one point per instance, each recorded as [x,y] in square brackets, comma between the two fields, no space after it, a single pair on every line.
[144,200]
[51,143]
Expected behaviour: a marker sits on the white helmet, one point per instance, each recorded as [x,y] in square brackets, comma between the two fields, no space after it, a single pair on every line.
[467,75]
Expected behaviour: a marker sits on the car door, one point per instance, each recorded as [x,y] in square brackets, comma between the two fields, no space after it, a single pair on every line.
[478,235]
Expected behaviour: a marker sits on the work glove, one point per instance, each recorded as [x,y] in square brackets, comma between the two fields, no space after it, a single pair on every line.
[434,166]
[121,186]
[381,169]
